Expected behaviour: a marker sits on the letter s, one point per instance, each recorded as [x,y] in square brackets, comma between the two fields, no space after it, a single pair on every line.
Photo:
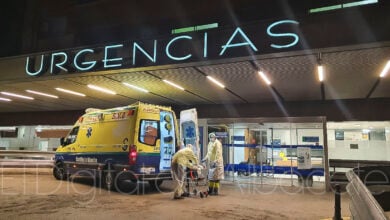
[295,36]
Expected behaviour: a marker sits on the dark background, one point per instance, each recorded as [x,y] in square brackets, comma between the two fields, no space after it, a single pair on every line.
[30,26]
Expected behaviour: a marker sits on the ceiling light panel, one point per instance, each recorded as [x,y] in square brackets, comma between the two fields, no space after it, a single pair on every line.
[351,74]
[320,71]
[264,77]
[17,95]
[242,79]
[135,87]
[41,94]
[141,80]
[215,81]
[92,99]
[385,70]
[294,78]
[38,104]
[156,86]
[195,82]
[175,85]
[65,102]
[104,82]
[68,91]
[5,99]
[101,89]
[383,88]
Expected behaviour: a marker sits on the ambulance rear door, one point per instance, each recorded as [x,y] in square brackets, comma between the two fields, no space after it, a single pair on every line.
[189,132]
[167,140]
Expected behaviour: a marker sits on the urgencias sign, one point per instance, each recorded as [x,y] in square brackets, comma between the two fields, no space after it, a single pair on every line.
[192,47]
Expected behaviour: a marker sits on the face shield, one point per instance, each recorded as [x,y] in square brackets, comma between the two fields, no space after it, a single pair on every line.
[212,137]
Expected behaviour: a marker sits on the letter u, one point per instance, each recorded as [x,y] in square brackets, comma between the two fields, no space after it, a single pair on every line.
[31,65]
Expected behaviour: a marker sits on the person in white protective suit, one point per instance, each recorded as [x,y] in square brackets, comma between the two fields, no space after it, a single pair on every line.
[184,158]
[214,156]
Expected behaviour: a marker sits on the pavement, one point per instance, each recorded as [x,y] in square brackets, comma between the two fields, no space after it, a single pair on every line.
[41,196]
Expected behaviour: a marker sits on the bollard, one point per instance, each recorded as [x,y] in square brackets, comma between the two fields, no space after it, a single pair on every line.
[337,204]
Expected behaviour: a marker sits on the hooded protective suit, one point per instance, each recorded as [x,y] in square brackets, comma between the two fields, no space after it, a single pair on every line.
[215,158]
[182,159]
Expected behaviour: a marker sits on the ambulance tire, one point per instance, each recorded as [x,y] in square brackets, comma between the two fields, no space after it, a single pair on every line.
[59,171]
[108,179]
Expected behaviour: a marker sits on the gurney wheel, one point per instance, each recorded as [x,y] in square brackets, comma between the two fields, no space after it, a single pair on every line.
[195,191]
[201,194]
[186,194]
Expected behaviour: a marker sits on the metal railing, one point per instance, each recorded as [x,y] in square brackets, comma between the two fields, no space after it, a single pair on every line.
[26,159]
[363,205]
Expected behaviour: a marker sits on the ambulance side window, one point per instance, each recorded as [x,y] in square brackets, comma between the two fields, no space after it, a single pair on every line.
[72,136]
[148,132]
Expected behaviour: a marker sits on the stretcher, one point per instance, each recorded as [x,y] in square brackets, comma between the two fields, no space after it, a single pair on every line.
[196,182]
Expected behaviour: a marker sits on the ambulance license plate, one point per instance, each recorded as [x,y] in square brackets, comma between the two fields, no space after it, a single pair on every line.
[147,170]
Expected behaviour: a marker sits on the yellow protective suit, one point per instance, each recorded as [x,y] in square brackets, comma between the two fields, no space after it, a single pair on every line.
[182,159]
[215,158]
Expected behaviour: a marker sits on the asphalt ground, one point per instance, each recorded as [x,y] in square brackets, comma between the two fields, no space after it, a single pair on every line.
[39,195]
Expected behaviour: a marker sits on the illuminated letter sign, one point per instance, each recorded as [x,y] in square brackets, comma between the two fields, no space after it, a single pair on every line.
[54,59]
[205,45]
[197,46]
[106,59]
[88,65]
[296,38]
[29,64]
[136,46]
[229,43]
[167,51]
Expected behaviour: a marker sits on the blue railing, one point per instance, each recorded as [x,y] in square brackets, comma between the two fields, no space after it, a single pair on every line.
[273,146]
[252,168]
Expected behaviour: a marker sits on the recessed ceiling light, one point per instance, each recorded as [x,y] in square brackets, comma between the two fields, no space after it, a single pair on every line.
[320,69]
[135,87]
[264,77]
[70,92]
[17,95]
[42,94]
[173,84]
[215,81]
[385,70]
[5,99]
[101,89]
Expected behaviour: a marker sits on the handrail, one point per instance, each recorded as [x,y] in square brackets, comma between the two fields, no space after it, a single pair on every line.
[341,163]
[363,204]
[26,159]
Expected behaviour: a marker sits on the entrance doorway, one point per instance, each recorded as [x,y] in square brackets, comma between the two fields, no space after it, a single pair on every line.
[281,151]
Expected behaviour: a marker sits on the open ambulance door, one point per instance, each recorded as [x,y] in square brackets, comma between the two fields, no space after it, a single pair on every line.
[168,140]
[189,131]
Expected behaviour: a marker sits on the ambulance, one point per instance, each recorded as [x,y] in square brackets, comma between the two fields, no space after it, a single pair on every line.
[134,142]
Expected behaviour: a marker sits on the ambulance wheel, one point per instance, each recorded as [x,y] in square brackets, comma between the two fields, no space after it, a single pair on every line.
[59,171]
[108,180]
